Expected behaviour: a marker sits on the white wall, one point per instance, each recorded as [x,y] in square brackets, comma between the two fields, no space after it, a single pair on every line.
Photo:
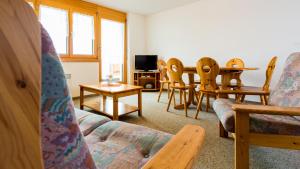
[81,73]
[136,40]
[254,30]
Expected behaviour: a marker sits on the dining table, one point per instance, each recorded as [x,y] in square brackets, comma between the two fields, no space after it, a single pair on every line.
[227,75]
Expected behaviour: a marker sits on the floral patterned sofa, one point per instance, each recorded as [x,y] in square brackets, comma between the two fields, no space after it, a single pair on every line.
[274,125]
[98,142]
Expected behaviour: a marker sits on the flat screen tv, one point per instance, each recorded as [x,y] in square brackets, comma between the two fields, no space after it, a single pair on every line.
[145,62]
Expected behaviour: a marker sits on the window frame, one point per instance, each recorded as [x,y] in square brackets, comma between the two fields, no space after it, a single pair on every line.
[70,57]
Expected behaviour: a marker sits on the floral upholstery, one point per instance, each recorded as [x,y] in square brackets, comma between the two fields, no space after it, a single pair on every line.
[113,144]
[63,145]
[286,94]
[120,145]
[89,121]
[287,91]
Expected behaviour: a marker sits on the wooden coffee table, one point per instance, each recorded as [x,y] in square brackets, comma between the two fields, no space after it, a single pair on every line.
[112,108]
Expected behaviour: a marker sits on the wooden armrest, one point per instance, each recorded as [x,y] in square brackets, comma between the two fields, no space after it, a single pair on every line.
[246,92]
[180,151]
[261,109]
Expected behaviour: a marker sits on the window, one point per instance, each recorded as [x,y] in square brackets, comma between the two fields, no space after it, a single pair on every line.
[83,34]
[55,22]
[112,49]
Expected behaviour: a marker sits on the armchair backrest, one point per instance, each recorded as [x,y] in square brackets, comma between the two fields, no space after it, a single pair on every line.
[287,91]
[162,67]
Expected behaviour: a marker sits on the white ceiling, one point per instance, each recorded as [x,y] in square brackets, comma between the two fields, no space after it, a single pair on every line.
[144,7]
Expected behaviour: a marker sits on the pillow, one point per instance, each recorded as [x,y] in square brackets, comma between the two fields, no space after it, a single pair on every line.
[63,145]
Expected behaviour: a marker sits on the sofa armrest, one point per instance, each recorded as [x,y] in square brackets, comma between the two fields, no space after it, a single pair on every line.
[180,151]
[261,109]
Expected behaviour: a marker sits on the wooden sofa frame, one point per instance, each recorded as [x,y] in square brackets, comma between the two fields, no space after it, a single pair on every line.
[20,95]
[243,137]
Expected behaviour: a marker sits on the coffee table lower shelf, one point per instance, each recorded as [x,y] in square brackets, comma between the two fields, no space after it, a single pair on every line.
[106,108]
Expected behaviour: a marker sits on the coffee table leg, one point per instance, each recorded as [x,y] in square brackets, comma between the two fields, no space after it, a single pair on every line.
[115,108]
[81,98]
[140,103]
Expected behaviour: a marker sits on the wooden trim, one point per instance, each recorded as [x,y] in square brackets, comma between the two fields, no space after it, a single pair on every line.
[180,152]
[78,59]
[261,109]
[279,141]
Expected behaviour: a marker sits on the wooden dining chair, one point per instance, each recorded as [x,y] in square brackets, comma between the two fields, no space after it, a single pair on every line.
[235,63]
[164,79]
[208,70]
[175,70]
[262,92]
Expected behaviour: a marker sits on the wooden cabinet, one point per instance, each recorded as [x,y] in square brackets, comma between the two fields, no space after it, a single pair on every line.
[148,80]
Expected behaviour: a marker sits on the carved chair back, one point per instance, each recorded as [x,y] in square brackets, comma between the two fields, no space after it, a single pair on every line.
[175,70]
[235,63]
[269,73]
[162,67]
[208,70]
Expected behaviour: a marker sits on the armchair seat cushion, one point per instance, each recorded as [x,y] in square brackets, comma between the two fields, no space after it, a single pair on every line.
[259,123]
[89,121]
[121,145]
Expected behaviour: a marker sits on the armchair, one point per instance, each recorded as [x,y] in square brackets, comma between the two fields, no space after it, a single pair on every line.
[275,125]
[37,117]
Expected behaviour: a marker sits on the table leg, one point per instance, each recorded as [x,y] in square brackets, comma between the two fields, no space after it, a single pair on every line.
[140,103]
[115,108]
[81,98]
[191,91]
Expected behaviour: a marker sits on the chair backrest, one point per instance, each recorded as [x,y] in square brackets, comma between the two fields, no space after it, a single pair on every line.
[287,91]
[269,73]
[208,70]
[162,67]
[175,70]
[235,63]
[20,87]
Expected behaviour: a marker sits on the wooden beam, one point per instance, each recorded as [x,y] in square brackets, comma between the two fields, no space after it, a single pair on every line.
[181,151]
[20,86]
[279,141]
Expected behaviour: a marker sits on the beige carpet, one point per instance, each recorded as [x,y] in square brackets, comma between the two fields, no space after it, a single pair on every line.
[216,153]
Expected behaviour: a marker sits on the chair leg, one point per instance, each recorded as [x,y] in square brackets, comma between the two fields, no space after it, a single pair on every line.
[199,106]
[174,98]
[223,132]
[168,90]
[243,98]
[180,95]
[207,102]
[185,103]
[170,99]
[262,99]
[160,92]
[266,99]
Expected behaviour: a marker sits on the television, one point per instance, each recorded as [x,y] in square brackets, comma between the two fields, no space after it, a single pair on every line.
[146,62]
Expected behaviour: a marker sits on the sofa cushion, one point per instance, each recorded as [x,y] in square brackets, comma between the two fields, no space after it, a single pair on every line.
[89,121]
[63,145]
[122,145]
[259,123]
[287,91]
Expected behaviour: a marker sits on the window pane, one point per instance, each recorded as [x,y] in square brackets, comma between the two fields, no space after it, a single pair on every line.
[112,49]
[55,22]
[83,34]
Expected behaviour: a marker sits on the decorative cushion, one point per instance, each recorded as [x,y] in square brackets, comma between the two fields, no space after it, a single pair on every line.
[62,142]
[287,91]
[121,145]
[259,123]
[89,121]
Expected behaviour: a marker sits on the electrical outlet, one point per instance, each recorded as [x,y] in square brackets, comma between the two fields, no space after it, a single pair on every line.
[68,76]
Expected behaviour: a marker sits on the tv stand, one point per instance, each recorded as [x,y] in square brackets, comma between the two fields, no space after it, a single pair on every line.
[149,80]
